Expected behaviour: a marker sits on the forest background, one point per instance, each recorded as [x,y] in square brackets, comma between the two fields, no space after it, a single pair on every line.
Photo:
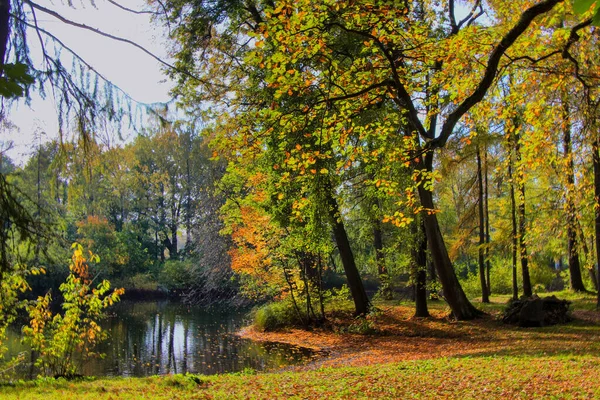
[397,149]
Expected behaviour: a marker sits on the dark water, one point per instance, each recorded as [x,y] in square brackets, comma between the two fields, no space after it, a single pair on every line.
[155,338]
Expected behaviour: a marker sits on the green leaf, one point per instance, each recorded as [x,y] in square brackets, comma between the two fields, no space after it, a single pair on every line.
[16,78]
[596,19]
[582,6]
[9,88]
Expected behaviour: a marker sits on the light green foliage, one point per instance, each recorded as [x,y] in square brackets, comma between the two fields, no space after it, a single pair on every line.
[175,274]
[585,6]
[99,236]
[142,281]
[284,313]
[501,272]
[276,315]
[64,341]
[475,377]
[12,284]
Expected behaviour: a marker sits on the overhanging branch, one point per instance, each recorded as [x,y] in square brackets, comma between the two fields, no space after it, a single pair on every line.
[492,68]
[113,37]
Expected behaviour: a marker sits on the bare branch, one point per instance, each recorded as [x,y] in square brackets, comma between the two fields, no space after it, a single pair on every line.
[356,94]
[113,37]
[471,17]
[114,3]
[453,24]
[71,51]
[534,60]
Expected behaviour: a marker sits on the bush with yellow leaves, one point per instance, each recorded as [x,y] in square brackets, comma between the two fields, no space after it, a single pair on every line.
[64,341]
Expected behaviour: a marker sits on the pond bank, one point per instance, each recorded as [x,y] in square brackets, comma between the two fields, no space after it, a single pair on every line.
[407,358]
[401,337]
[167,337]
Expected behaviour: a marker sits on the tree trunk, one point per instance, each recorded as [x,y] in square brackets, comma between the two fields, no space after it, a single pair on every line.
[359,295]
[461,308]
[522,226]
[4,32]
[188,208]
[487,221]
[572,251]
[419,260]
[513,211]
[596,162]
[484,287]
[378,245]
[588,256]
[385,289]
[173,244]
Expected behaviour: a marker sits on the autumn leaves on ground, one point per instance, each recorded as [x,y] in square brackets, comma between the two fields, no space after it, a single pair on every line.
[402,357]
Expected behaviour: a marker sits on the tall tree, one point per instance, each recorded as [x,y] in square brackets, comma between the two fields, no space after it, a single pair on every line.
[572,245]
[359,58]
[521,213]
[481,251]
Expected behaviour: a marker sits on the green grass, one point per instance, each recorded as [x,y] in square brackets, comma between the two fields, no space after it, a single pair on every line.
[460,378]
[579,301]
[551,362]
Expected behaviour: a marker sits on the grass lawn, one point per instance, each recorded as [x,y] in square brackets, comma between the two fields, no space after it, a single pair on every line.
[408,358]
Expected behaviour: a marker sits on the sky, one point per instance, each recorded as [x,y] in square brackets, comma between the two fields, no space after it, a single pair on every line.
[129,68]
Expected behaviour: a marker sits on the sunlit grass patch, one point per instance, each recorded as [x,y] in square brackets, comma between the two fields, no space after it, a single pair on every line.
[450,378]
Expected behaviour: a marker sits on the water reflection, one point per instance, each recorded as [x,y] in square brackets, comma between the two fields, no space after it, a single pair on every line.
[155,338]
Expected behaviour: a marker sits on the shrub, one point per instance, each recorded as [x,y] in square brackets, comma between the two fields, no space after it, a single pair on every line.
[276,315]
[63,341]
[339,299]
[501,277]
[142,281]
[471,285]
[175,274]
[364,324]
[12,284]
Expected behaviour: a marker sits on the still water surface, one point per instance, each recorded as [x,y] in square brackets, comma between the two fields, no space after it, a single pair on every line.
[150,338]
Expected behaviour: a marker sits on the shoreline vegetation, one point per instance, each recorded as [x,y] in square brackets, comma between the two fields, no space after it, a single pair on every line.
[404,357]
[431,147]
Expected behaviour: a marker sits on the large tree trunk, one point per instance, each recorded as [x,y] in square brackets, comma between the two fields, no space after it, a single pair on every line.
[173,254]
[419,260]
[359,295]
[487,222]
[188,208]
[4,31]
[514,242]
[574,265]
[461,308]
[484,286]
[522,225]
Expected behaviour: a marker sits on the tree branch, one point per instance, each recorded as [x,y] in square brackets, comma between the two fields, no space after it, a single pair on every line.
[4,33]
[113,37]
[472,16]
[114,3]
[453,24]
[492,67]
[406,101]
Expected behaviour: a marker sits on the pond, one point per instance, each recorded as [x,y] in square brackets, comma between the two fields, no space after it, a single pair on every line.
[166,337]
